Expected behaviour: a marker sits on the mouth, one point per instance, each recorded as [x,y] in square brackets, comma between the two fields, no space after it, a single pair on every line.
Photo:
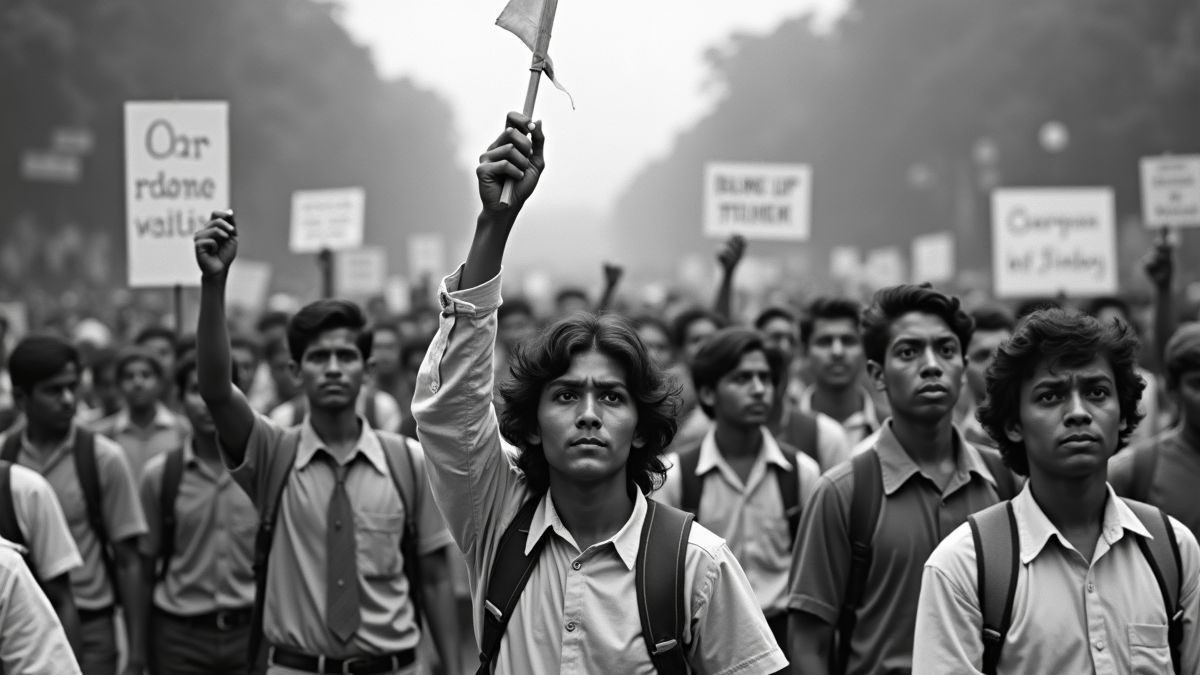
[589,441]
[1079,439]
[933,388]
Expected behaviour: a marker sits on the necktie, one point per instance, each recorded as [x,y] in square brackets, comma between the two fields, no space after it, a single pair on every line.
[341,571]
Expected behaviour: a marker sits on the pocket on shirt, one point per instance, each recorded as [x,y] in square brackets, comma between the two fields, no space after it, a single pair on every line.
[378,538]
[1149,649]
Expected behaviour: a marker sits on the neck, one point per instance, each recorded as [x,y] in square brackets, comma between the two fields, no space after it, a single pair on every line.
[837,402]
[737,441]
[338,429]
[1071,504]
[592,512]
[205,447]
[925,441]
[43,438]
[142,417]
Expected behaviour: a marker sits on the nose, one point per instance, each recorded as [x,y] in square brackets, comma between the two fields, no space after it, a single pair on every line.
[759,385]
[930,366]
[1077,412]
[589,417]
[837,348]
[333,368]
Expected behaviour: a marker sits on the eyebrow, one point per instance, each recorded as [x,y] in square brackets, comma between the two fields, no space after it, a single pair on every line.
[580,383]
[1053,382]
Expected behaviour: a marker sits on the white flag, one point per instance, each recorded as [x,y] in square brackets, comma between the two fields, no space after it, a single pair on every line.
[523,18]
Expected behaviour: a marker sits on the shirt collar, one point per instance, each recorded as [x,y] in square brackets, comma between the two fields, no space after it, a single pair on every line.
[897,467]
[367,444]
[1036,530]
[28,448]
[625,542]
[711,457]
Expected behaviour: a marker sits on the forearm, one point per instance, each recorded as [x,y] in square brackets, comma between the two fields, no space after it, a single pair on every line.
[810,643]
[134,604]
[441,610]
[58,591]
[1164,322]
[487,249]
[213,360]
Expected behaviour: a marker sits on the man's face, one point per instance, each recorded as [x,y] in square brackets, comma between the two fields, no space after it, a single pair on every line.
[50,404]
[695,335]
[658,345]
[1070,419]
[515,329]
[782,336]
[587,421]
[332,369]
[246,364]
[163,350]
[104,386]
[140,384]
[195,409]
[283,375]
[572,304]
[980,355]
[385,352]
[835,353]
[1188,398]
[922,369]
[742,397]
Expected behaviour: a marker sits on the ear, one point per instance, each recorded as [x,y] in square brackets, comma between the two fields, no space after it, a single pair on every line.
[1014,432]
[707,396]
[638,441]
[369,366]
[534,437]
[875,370]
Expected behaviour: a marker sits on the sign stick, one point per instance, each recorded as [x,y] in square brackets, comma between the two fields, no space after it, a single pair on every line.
[535,76]
[325,262]
[178,309]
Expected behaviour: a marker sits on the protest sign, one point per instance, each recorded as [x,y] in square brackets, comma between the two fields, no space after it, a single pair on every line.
[360,272]
[50,167]
[933,257]
[426,256]
[758,201]
[884,267]
[1171,191]
[845,262]
[247,285]
[176,175]
[398,295]
[327,219]
[1047,241]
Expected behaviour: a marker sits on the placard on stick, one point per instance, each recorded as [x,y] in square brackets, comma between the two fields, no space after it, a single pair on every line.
[1171,191]
[1047,241]
[176,175]
[933,257]
[327,219]
[758,201]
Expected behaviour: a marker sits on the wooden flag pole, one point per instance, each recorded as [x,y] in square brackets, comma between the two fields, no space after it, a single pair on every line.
[541,47]
[325,262]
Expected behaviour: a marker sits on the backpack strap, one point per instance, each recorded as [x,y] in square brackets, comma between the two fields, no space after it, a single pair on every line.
[997,561]
[370,410]
[805,428]
[511,569]
[1143,466]
[659,575]
[1162,552]
[692,485]
[1006,484]
[171,478]
[89,482]
[864,517]
[789,489]
[403,469]
[11,447]
[10,529]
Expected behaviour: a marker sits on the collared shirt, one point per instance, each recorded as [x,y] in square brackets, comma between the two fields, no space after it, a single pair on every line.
[42,523]
[833,445]
[32,641]
[118,503]
[295,598]
[1069,615]
[913,517]
[858,425]
[1175,480]
[750,514]
[578,612]
[215,524]
[166,432]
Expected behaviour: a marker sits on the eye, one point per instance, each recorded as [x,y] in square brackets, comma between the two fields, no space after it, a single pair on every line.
[612,397]
[1098,392]
[949,349]
[906,352]
[1048,397]
[565,396]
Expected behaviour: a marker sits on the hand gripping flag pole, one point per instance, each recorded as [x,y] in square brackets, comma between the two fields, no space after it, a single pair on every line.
[532,21]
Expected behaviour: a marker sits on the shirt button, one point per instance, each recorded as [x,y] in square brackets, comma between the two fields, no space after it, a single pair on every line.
[433,387]
[576,565]
[1099,645]
[340,583]
[570,626]
[1091,587]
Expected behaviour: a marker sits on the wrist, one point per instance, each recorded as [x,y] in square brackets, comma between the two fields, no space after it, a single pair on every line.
[495,221]
[215,279]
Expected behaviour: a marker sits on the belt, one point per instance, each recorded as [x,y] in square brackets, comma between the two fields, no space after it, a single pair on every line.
[222,619]
[90,614]
[356,665]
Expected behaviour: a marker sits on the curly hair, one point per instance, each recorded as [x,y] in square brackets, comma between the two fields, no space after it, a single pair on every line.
[889,304]
[539,362]
[1059,339]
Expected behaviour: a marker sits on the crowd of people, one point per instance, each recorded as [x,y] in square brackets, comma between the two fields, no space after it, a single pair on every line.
[908,485]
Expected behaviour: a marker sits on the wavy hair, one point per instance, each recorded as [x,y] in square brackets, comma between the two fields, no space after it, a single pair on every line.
[895,301]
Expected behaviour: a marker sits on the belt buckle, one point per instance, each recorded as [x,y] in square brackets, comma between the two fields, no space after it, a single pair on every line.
[224,620]
[349,663]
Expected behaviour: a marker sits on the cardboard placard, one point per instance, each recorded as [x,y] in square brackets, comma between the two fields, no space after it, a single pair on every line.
[933,257]
[327,219]
[427,257]
[248,284]
[360,272]
[884,267]
[1171,191]
[845,263]
[1047,241]
[758,201]
[176,175]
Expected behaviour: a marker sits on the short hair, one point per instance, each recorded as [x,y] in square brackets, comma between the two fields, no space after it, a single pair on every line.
[642,320]
[684,320]
[1059,338]
[550,354]
[103,360]
[771,313]
[243,341]
[893,302]
[1182,353]
[274,347]
[723,352]
[992,318]
[186,343]
[513,306]
[156,332]
[325,315]
[827,307]
[271,320]
[187,365]
[37,358]
[134,354]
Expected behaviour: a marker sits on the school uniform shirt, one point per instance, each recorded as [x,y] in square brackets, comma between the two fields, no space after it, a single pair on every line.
[294,611]
[859,425]
[914,516]
[1069,615]
[42,523]
[833,445]
[1176,476]
[748,514]
[166,432]
[215,524]
[578,612]
[119,506]
[387,410]
[32,641]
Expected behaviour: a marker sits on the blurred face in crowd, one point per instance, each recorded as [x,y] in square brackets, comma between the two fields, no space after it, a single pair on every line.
[1070,419]
[695,335]
[385,352]
[283,376]
[246,364]
[140,384]
[923,367]
[332,369]
[980,354]
[658,345]
[194,407]
[742,397]
[782,336]
[515,329]
[104,386]
[835,353]
[570,304]
[163,350]
[49,406]
[1188,397]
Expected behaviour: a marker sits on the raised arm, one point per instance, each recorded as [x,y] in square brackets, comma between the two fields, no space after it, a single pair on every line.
[612,278]
[1160,269]
[729,256]
[216,247]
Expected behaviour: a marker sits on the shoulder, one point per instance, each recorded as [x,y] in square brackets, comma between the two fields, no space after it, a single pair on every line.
[705,547]
[807,467]
[108,451]
[155,467]
[954,558]
[105,425]
[827,426]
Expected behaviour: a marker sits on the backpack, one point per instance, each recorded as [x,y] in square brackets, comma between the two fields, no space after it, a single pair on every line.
[403,471]
[802,430]
[994,531]
[658,581]
[84,453]
[171,478]
[10,529]
[789,486]
[864,519]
